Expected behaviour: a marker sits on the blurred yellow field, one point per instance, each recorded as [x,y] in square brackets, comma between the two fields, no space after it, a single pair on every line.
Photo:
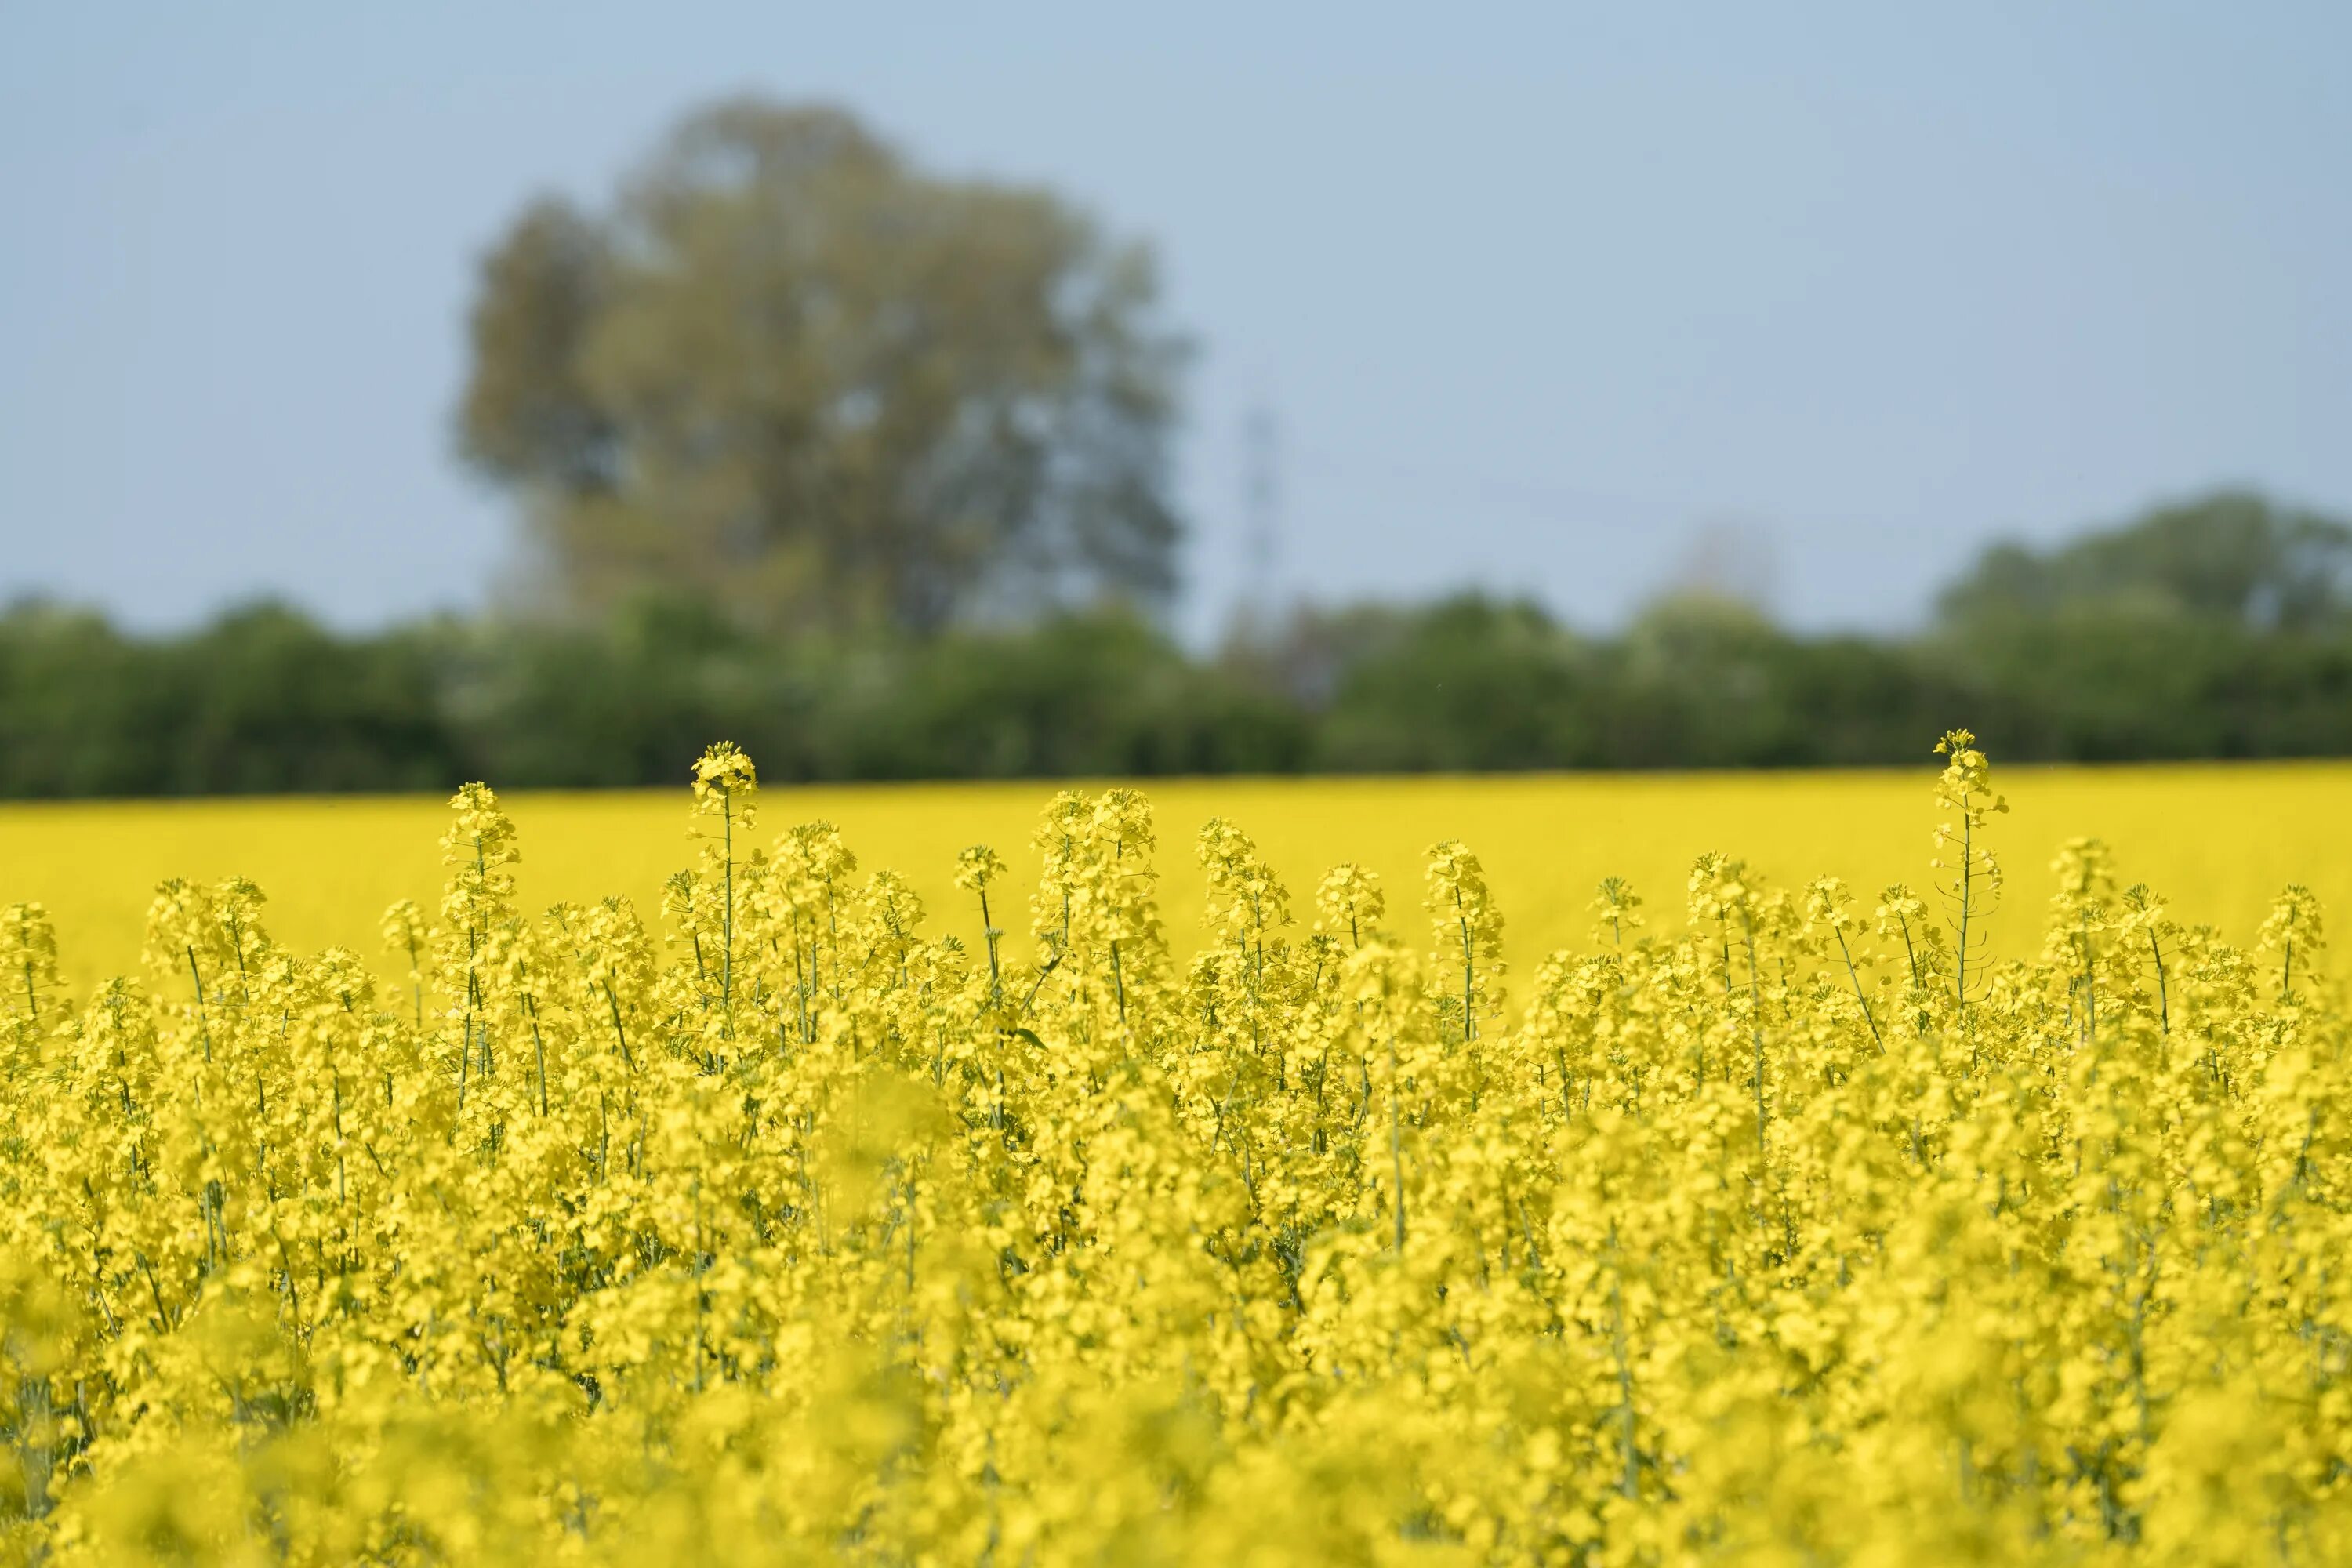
[2218,842]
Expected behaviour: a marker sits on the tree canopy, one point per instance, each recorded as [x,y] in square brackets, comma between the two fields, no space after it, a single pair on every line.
[2231,555]
[791,372]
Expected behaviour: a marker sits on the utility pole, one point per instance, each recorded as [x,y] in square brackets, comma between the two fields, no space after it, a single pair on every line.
[1261,495]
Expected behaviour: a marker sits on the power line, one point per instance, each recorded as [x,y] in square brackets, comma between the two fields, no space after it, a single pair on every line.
[1260,501]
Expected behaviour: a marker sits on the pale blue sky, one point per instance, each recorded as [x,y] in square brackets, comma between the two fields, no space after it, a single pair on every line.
[1540,295]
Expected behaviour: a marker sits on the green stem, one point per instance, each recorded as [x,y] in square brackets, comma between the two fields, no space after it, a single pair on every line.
[1854,975]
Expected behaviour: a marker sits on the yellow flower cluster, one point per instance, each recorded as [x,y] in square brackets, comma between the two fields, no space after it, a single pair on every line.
[796,1232]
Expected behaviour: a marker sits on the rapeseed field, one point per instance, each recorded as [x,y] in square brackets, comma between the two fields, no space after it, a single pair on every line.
[2221,839]
[1751,1170]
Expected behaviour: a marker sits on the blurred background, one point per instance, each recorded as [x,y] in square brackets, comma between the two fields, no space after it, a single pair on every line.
[393,396]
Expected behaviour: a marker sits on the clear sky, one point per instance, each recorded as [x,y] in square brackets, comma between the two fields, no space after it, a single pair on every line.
[1543,297]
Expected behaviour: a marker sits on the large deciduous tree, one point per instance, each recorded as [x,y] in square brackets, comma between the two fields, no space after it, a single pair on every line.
[790,372]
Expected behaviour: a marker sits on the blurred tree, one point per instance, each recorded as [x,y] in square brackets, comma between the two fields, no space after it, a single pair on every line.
[2229,556]
[262,698]
[1468,683]
[791,373]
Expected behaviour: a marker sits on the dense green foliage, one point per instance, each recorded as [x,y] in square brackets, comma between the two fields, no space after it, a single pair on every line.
[265,700]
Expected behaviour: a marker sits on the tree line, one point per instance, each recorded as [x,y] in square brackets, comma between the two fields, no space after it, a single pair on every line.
[2218,628]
